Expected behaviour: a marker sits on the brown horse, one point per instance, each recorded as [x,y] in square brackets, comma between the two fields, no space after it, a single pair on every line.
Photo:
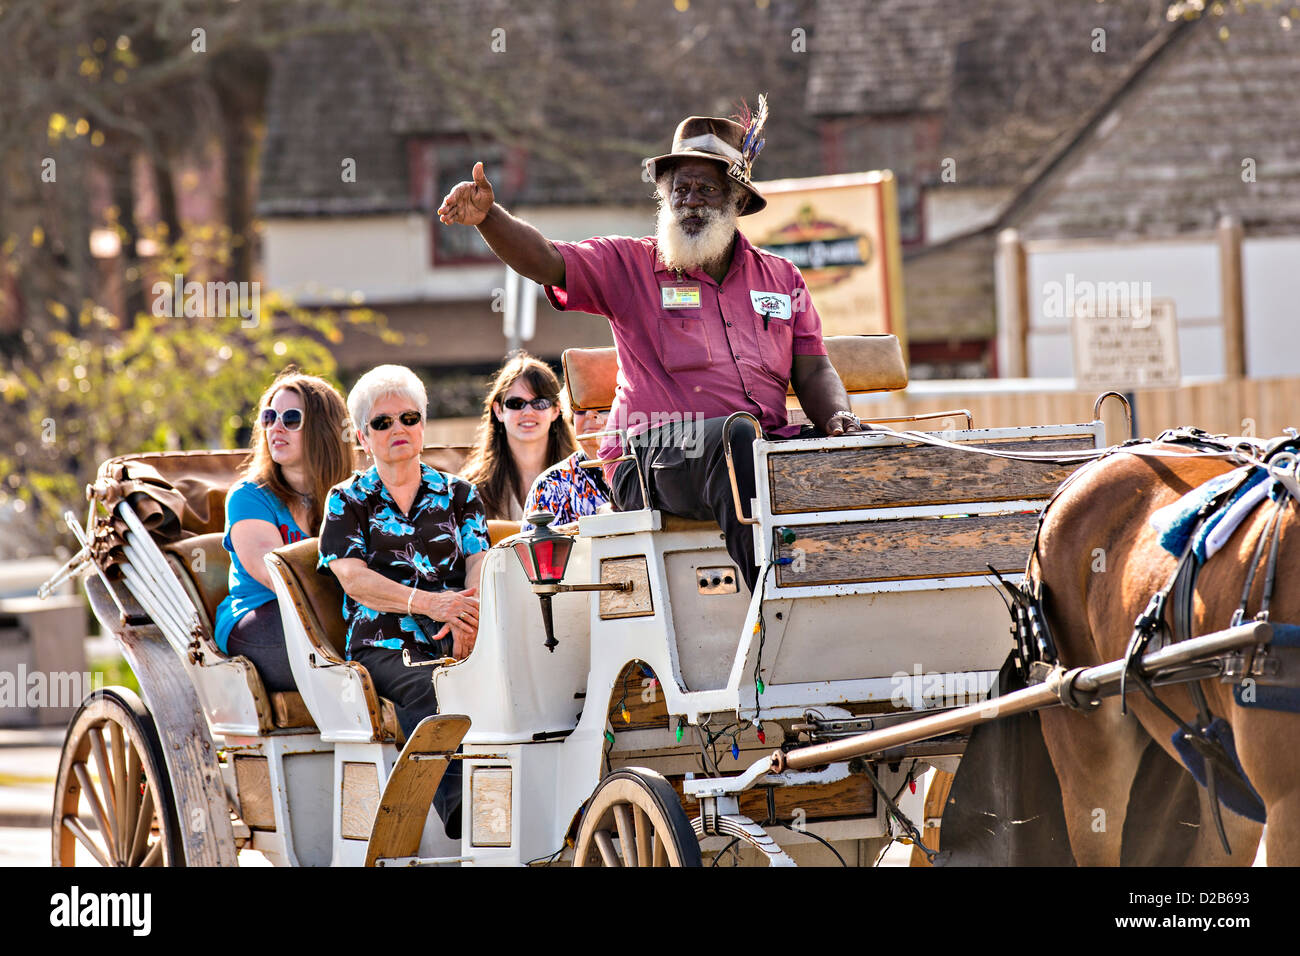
[1100,562]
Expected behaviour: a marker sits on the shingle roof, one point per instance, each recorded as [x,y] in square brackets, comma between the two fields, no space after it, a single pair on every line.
[1008,77]
[331,98]
[1166,157]
[574,87]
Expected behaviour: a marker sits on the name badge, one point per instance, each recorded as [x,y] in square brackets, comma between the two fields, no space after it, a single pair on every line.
[680,296]
[774,305]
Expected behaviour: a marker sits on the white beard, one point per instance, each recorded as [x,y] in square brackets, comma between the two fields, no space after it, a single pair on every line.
[677,250]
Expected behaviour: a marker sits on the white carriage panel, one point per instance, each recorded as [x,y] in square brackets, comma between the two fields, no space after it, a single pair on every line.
[333,693]
[537,826]
[708,626]
[891,633]
[351,851]
[227,701]
[304,798]
[511,685]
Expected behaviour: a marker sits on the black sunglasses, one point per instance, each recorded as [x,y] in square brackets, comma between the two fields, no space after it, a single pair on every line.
[291,418]
[381,423]
[514,403]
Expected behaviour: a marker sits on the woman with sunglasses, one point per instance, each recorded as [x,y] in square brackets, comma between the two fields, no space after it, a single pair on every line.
[522,434]
[406,543]
[299,452]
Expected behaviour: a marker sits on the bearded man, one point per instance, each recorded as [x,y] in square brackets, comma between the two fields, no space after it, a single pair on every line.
[705,325]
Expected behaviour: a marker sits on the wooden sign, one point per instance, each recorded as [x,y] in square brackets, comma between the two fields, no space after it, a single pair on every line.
[1128,348]
[842,233]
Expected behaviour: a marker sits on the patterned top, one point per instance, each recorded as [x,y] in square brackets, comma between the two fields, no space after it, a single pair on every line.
[425,547]
[567,491]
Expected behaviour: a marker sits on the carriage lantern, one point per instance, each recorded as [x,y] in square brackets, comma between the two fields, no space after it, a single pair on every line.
[543,553]
[544,556]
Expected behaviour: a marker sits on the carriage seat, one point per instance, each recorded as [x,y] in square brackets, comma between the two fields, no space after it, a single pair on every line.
[865,363]
[202,564]
[499,529]
[318,602]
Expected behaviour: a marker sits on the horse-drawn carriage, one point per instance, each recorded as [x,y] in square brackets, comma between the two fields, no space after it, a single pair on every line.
[633,706]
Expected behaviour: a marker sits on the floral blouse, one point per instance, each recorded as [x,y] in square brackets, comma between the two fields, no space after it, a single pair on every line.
[425,547]
[567,491]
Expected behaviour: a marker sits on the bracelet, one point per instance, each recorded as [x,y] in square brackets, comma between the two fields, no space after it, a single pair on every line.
[409,598]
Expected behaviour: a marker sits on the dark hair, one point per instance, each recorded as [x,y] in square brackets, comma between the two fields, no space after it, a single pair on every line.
[491,466]
[326,455]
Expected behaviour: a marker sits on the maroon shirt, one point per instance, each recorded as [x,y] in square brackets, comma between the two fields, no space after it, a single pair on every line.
[687,344]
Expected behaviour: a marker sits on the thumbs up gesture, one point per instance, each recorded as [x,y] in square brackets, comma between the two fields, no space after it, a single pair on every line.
[468,202]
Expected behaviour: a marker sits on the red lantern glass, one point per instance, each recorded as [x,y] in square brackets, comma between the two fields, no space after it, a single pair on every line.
[544,554]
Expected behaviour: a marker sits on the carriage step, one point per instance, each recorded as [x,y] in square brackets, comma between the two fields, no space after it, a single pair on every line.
[408,794]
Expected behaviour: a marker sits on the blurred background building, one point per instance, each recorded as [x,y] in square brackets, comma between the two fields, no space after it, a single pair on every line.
[306,146]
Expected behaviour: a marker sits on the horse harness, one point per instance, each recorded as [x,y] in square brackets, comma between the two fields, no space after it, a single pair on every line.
[1168,616]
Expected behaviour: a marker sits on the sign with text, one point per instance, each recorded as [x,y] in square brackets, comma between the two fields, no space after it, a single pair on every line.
[1126,348]
[842,233]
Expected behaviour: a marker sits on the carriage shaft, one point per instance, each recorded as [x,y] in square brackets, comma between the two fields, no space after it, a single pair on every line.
[1081,684]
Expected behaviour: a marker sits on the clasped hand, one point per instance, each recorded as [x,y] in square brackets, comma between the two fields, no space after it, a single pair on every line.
[459,609]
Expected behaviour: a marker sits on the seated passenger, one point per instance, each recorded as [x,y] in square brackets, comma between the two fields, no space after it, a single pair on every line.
[406,543]
[568,490]
[298,454]
[521,435]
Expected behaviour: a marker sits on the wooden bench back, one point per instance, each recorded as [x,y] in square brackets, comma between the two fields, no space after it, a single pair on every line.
[866,363]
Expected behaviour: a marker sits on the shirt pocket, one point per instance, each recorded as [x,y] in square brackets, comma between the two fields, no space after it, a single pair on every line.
[685,342]
[776,345]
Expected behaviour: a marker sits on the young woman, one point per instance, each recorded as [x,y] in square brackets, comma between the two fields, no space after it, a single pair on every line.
[299,452]
[522,434]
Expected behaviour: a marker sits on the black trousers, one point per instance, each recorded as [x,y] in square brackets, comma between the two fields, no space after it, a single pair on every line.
[411,691]
[259,636]
[686,474]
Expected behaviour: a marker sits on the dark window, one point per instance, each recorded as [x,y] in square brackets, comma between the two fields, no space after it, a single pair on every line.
[452,163]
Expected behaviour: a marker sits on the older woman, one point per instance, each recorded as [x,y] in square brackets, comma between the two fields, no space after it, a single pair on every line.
[298,453]
[406,543]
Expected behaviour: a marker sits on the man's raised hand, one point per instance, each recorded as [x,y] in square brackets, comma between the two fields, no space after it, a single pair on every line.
[468,202]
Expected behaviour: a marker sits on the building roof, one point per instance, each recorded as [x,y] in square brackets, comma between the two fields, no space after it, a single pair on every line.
[1006,78]
[1176,150]
[331,98]
[572,89]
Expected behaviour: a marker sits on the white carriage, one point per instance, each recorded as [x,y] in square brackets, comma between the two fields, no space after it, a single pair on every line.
[634,739]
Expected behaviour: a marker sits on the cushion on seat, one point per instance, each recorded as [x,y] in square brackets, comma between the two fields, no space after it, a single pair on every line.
[866,363]
[322,598]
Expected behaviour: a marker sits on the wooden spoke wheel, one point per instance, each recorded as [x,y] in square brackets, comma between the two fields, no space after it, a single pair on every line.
[113,803]
[635,819]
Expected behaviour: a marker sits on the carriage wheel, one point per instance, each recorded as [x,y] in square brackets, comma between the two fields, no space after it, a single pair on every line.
[635,819]
[113,803]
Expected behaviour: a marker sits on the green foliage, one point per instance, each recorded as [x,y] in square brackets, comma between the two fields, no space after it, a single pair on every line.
[99,388]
